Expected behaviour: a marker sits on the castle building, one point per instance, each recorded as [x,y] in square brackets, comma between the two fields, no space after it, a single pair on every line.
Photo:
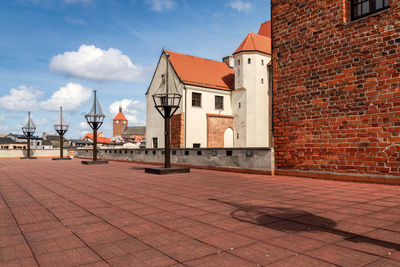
[336,69]
[224,104]
[119,123]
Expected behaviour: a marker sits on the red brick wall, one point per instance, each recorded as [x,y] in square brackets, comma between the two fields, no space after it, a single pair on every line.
[336,88]
[216,126]
[178,130]
[118,128]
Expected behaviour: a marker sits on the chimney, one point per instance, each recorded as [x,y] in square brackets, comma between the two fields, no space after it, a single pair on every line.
[229,61]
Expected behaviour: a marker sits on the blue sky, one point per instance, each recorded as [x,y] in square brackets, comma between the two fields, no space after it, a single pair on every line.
[55,52]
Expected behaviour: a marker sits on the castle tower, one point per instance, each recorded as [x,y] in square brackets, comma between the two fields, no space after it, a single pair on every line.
[250,99]
[119,123]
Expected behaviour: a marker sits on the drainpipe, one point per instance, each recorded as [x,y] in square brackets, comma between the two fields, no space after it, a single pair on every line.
[184,87]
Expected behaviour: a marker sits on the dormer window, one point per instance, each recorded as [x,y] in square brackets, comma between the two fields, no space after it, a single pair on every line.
[362,8]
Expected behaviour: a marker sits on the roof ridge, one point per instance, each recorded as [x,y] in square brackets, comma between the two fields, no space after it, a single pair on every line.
[195,56]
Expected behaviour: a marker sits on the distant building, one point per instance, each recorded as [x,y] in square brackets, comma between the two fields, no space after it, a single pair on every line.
[127,136]
[224,104]
[9,143]
[101,139]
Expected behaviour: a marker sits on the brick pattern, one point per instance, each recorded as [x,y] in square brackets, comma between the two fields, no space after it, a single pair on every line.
[62,214]
[216,126]
[178,130]
[336,88]
[118,128]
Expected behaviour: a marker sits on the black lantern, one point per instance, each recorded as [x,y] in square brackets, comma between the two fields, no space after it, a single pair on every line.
[95,119]
[28,130]
[167,103]
[61,128]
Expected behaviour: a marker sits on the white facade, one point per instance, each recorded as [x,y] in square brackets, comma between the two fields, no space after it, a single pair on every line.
[248,103]
[250,100]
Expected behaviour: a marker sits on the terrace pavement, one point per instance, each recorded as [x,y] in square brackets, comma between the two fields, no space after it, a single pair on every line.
[67,214]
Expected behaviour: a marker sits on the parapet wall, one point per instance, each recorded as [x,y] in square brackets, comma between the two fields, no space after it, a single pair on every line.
[253,159]
[40,153]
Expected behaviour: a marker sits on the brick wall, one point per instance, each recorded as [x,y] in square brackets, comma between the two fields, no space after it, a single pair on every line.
[177,130]
[118,128]
[216,126]
[336,88]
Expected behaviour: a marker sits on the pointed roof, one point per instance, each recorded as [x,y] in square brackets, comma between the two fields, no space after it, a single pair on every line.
[120,117]
[202,72]
[255,42]
[265,29]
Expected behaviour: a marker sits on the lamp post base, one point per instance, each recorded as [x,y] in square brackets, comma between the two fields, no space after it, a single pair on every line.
[91,162]
[61,158]
[28,157]
[163,170]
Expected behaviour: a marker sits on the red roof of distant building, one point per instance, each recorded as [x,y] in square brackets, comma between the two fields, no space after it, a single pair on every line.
[255,42]
[202,72]
[265,29]
[120,117]
[100,138]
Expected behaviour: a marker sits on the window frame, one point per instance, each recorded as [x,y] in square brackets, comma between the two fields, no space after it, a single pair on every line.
[193,100]
[222,102]
[372,8]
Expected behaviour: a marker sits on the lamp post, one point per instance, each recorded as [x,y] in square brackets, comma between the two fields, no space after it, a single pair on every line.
[61,128]
[29,130]
[167,103]
[95,119]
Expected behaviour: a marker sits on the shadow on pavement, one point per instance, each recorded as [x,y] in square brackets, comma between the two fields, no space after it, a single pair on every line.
[294,220]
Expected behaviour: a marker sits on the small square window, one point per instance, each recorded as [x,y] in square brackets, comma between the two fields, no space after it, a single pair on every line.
[199,153]
[219,102]
[173,152]
[229,153]
[196,100]
[197,145]
[214,153]
[186,152]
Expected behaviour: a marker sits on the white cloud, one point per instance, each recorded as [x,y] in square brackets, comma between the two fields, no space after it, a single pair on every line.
[93,63]
[23,98]
[132,109]
[70,97]
[160,5]
[240,5]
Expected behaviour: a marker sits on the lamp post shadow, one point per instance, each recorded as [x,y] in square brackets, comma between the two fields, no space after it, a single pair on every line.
[295,220]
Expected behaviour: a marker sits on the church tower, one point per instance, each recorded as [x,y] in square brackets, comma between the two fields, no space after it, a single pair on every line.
[119,123]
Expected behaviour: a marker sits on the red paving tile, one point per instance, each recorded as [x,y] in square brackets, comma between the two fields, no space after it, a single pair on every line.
[65,213]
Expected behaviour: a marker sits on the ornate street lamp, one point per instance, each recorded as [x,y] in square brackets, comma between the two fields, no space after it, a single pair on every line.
[167,103]
[61,128]
[29,130]
[95,119]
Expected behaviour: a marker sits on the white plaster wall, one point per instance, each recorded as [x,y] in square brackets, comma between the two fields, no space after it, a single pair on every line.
[255,103]
[196,119]
[154,121]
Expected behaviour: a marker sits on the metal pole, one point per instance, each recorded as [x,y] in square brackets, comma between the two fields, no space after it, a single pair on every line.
[167,153]
[29,147]
[94,143]
[61,145]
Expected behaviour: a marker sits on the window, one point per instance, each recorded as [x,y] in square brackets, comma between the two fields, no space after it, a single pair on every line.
[196,100]
[362,8]
[240,105]
[155,142]
[219,102]
[238,62]
[249,60]
[237,135]
[196,145]
[262,81]
[262,62]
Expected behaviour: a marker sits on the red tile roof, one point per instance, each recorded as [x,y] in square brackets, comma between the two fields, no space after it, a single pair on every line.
[255,42]
[100,138]
[265,29]
[202,72]
[120,117]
